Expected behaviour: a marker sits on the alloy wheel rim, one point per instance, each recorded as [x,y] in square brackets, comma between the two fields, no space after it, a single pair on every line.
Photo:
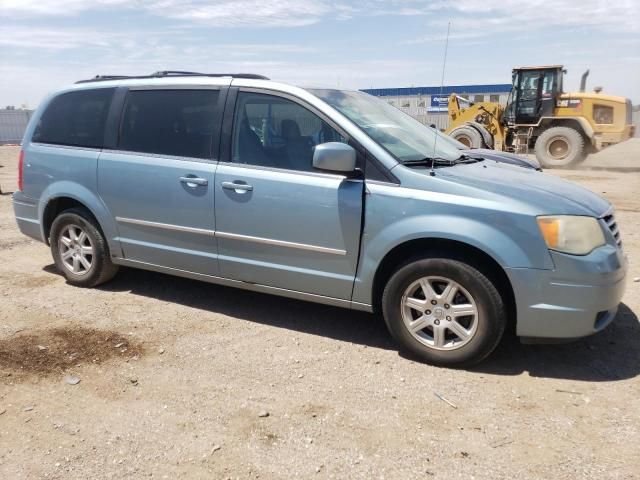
[439,313]
[76,250]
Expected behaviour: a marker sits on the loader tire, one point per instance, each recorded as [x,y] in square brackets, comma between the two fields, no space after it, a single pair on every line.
[559,147]
[469,136]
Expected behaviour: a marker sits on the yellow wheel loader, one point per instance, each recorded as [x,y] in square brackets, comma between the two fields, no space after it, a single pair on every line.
[561,128]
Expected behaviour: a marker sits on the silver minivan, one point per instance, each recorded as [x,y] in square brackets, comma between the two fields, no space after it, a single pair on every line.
[326,195]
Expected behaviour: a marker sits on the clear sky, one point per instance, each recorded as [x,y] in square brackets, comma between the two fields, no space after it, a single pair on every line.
[45,44]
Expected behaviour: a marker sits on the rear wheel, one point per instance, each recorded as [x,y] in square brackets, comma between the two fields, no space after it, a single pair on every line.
[444,311]
[80,250]
[468,136]
[559,147]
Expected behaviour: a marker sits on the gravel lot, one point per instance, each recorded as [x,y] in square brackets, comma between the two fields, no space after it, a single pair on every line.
[181,379]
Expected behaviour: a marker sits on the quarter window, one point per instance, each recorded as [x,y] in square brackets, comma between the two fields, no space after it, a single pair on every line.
[275,132]
[169,122]
[75,119]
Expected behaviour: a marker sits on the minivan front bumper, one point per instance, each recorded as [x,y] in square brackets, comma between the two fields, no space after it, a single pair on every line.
[578,298]
[25,209]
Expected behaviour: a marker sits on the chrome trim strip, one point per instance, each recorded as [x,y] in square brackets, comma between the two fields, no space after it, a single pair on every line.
[382,182]
[166,226]
[29,220]
[281,243]
[115,151]
[363,307]
[66,147]
[233,236]
[17,202]
[256,287]
[610,211]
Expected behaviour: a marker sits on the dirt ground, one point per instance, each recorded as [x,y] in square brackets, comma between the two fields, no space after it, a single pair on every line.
[181,379]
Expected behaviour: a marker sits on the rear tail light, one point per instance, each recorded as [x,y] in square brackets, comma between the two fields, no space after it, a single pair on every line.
[21,170]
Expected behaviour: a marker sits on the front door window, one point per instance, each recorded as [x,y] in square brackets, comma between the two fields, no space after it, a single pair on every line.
[276,132]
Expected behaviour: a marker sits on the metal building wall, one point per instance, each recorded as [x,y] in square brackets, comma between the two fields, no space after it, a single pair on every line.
[417,101]
[13,124]
[444,90]
[439,119]
[417,107]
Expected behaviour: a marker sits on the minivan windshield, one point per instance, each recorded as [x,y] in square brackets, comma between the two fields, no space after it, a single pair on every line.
[405,138]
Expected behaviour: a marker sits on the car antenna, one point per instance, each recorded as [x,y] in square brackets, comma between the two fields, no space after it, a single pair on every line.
[444,64]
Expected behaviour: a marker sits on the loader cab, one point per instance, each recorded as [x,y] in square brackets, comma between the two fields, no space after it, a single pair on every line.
[533,94]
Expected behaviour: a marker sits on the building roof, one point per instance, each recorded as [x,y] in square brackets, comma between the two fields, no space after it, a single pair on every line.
[445,90]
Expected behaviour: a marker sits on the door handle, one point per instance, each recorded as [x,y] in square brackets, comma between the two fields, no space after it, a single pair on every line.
[238,187]
[194,181]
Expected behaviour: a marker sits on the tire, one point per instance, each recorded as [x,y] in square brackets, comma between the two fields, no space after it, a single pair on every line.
[74,234]
[450,347]
[559,147]
[469,136]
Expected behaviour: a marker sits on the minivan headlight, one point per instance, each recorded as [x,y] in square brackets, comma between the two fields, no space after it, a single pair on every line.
[571,234]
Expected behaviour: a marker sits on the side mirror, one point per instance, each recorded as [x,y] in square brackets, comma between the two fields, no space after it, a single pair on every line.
[334,157]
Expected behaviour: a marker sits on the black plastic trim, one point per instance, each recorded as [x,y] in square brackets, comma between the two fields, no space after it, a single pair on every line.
[374,166]
[226,135]
[217,132]
[112,126]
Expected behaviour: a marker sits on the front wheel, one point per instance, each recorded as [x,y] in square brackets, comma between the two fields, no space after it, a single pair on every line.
[444,311]
[559,147]
[468,136]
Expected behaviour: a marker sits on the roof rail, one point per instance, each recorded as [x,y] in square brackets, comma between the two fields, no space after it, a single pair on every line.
[104,78]
[172,73]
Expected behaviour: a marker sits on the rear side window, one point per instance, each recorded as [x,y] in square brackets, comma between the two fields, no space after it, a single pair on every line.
[169,122]
[75,119]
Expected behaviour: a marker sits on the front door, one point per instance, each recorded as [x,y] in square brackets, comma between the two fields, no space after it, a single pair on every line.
[279,222]
[158,182]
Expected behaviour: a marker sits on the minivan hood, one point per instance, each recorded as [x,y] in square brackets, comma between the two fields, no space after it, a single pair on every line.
[547,193]
[505,157]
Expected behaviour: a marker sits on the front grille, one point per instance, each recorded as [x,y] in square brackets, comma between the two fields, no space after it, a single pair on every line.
[610,220]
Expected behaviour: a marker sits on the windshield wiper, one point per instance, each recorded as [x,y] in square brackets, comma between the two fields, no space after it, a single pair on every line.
[439,161]
[428,161]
